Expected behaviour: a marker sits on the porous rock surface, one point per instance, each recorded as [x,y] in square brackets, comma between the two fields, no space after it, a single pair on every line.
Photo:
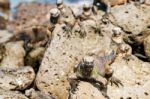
[32,94]
[86,90]
[63,53]
[11,95]
[147,46]
[66,51]
[16,79]
[13,56]
[134,75]
[126,16]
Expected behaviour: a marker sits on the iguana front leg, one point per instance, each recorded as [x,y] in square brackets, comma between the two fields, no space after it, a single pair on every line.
[74,82]
[101,80]
[109,76]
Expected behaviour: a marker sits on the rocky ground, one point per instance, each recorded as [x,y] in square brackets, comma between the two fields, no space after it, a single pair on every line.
[43,73]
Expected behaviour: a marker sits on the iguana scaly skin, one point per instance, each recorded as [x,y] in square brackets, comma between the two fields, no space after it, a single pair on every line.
[101,67]
[97,70]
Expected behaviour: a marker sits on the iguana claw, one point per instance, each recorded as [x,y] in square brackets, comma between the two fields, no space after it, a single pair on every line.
[115,81]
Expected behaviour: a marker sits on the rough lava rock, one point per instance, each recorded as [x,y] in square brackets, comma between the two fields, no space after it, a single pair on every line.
[135,76]
[32,94]
[147,46]
[126,16]
[11,95]
[58,60]
[34,57]
[16,79]
[146,11]
[64,52]
[87,91]
[133,19]
[140,38]
[67,49]
[5,35]
[14,55]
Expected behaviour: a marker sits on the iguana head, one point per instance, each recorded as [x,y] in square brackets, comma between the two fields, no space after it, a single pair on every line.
[54,15]
[88,62]
[124,48]
[60,4]
[87,8]
[54,12]
[116,31]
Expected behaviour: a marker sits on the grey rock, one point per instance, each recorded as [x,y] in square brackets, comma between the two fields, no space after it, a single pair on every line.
[57,63]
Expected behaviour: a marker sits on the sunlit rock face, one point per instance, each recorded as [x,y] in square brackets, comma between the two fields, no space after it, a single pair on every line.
[11,95]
